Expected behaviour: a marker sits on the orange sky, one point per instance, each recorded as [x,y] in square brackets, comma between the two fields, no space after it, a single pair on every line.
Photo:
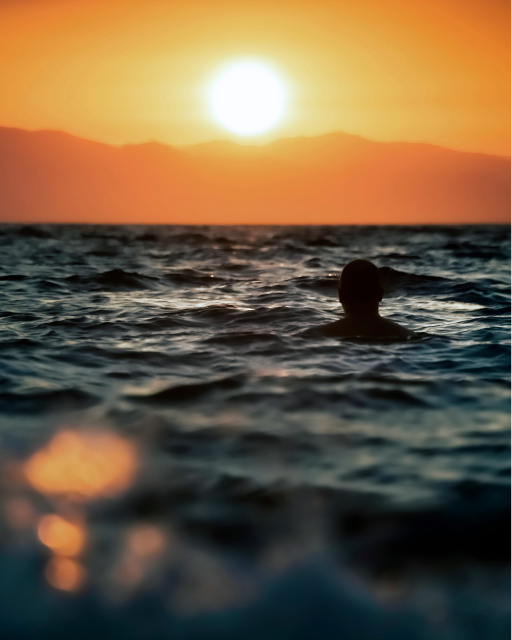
[129,71]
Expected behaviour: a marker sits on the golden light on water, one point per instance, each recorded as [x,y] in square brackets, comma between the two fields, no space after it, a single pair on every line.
[83,465]
[77,465]
[64,538]
[65,574]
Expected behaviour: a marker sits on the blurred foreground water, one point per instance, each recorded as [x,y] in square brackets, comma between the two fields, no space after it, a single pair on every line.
[178,459]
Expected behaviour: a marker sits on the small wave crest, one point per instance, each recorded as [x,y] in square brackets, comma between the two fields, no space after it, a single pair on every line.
[116,279]
[190,392]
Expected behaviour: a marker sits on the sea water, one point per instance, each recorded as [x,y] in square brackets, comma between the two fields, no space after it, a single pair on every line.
[305,485]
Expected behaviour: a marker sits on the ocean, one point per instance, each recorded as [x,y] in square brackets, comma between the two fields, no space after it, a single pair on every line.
[286,485]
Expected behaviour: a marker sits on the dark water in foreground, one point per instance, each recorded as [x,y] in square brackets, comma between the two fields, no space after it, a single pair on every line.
[303,487]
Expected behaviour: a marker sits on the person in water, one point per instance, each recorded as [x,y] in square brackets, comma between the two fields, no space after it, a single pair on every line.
[360,290]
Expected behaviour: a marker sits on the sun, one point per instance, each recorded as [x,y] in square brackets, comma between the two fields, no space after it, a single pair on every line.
[247,98]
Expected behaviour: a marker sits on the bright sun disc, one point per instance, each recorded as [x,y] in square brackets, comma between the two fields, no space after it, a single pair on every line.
[247,99]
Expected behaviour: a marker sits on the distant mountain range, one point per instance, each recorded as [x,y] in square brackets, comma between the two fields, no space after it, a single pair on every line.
[51,176]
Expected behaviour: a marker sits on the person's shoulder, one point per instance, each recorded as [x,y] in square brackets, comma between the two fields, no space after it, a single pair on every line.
[330,330]
[345,328]
[393,329]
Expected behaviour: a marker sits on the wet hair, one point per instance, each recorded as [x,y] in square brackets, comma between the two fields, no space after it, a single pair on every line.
[360,283]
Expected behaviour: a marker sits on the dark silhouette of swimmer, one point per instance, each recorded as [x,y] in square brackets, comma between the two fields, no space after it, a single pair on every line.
[360,290]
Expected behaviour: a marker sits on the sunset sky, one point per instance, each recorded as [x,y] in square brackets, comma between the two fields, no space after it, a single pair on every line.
[121,71]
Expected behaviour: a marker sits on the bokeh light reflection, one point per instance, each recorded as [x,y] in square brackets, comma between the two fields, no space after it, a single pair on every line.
[75,467]
[65,574]
[144,544]
[145,541]
[83,465]
[64,538]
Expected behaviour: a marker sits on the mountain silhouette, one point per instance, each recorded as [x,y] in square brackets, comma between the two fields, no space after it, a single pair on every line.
[51,176]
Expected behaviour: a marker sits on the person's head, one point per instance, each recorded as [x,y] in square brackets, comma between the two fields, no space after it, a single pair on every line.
[360,288]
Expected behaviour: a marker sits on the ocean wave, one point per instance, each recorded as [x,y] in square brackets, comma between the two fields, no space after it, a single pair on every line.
[189,238]
[394,280]
[37,402]
[244,338]
[33,232]
[473,249]
[147,237]
[475,293]
[13,277]
[20,343]
[329,283]
[103,253]
[191,277]
[190,392]
[19,317]
[116,279]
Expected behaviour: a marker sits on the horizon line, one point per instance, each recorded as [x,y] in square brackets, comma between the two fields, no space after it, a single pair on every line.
[180,147]
[242,224]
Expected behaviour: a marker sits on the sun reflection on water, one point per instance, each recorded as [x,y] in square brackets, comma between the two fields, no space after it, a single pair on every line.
[83,465]
[65,574]
[63,537]
[76,467]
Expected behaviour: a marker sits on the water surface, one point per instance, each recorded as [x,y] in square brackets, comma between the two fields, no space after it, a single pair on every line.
[263,448]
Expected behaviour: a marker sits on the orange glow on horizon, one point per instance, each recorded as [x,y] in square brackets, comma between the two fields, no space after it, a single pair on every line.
[126,71]
[122,71]
[83,465]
